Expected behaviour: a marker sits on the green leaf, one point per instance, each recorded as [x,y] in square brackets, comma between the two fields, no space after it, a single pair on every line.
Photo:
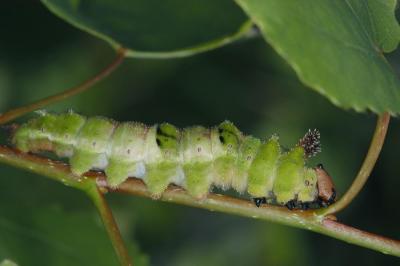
[157,29]
[335,47]
[381,21]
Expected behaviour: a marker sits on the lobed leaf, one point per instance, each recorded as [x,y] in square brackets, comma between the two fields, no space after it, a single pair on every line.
[336,47]
[379,17]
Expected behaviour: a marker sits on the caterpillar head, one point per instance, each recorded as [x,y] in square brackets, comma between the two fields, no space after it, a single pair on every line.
[326,188]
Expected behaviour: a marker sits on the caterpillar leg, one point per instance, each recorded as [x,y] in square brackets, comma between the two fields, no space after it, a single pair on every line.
[259,201]
[291,204]
[304,205]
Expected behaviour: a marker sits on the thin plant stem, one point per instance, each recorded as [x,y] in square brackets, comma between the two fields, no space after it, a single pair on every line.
[61,172]
[111,226]
[308,220]
[366,168]
[17,112]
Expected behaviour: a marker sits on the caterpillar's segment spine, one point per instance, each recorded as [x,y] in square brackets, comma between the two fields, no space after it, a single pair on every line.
[195,158]
[311,143]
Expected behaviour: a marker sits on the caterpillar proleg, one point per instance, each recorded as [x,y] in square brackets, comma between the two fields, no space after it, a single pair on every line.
[195,158]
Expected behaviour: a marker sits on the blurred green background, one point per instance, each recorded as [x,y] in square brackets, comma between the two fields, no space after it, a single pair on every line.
[45,223]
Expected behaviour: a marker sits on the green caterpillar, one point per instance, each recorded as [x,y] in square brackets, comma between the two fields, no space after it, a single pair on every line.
[194,158]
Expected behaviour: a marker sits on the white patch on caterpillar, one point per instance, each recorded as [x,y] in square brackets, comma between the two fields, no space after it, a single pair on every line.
[140,171]
[101,163]
[179,178]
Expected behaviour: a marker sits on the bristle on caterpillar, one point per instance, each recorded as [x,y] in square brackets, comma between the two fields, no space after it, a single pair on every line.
[311,143]
[195,158]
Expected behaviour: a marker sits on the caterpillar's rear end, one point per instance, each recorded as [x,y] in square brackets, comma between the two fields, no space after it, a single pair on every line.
[195,158]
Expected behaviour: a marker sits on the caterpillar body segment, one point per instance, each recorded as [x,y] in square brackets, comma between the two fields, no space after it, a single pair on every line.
[247,152]
[195,158]
[126,153]
[262,172]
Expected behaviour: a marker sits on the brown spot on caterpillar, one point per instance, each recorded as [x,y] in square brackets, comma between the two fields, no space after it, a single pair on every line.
[158,142]
[198,149]
[128,151]
[94,143]
[222,139]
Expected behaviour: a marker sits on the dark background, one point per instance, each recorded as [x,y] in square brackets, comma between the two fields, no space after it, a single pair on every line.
[45,223]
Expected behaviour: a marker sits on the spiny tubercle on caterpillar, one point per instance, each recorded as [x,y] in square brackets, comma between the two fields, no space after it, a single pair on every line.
[194,158]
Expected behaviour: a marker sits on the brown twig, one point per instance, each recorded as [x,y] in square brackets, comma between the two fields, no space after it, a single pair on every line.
[17,112]
[111,226]
[308,220]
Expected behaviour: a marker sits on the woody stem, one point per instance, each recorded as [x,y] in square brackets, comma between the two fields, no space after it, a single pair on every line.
[302,219]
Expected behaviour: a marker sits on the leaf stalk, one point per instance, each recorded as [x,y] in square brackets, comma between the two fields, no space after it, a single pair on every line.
[374,150]
[17,112]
